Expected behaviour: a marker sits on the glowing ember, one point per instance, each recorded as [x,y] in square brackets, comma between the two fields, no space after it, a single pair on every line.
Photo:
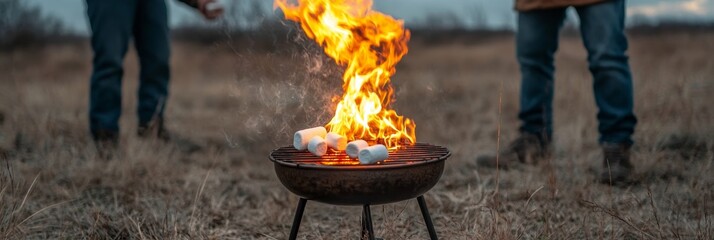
[340,163]
[368,44]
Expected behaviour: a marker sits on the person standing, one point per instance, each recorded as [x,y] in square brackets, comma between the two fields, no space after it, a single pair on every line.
[113,23]
[602,27]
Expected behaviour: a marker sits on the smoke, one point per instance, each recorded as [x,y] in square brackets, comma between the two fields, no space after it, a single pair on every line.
[284,91]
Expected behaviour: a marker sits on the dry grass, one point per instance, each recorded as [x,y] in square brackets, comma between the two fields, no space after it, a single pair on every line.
[242,105]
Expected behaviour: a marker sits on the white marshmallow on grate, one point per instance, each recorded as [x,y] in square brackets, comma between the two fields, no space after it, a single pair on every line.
[373,154]
[214,6]
[317,146]
[336,141]
[354,147]
[303,137]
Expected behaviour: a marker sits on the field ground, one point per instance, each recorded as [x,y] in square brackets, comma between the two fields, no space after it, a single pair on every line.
[241,104]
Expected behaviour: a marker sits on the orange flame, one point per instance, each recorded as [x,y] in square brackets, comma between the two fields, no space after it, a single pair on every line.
[369,44]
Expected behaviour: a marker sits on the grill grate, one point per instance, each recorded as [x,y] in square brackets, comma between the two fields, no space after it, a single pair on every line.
[419,152]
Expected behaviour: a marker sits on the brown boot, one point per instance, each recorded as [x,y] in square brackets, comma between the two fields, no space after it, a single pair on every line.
[527,148]
[616,164]
[107,143]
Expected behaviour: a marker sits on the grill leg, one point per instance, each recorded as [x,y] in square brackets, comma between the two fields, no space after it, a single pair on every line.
[367,223]
[427,218]
[298,218]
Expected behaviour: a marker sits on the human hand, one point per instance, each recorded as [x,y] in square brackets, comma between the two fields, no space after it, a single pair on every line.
[210,9]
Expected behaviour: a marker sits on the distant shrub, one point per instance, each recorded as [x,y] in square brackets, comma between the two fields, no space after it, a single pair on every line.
[22,25]
[641,25]
[250,24]
[270,35]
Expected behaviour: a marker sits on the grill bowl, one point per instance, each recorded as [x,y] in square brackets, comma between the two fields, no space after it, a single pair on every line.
[409,173]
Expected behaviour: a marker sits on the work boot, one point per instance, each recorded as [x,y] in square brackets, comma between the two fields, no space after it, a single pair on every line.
[107,143]
[616,163]
[159,132]
[153,131]
[527,148]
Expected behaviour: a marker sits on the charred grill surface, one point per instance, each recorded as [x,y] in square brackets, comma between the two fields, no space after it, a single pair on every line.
[417,153]
[409,172]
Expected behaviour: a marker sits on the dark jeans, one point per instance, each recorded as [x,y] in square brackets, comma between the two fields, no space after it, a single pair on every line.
[113,24]
[602,30]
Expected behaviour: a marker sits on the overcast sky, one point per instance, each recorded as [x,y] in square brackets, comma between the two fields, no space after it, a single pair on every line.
[496,13]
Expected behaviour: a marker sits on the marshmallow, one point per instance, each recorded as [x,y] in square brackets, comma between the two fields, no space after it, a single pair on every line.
[355,146]
[373,154]
[213,6]
[303,137]
[336,141]
[317,146]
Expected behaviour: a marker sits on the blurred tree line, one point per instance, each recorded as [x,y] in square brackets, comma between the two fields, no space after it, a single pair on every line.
[251,24]
[24,26]
[255,26]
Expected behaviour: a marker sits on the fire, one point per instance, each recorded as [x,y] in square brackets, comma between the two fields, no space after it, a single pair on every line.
[368,44]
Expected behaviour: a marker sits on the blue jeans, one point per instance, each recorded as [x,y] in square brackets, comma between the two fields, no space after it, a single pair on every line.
[113,24]
[602,30]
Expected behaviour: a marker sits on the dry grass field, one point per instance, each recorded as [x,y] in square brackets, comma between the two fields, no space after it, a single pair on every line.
[239,104]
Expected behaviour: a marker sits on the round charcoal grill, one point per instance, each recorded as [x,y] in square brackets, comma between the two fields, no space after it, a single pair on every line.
[409,172]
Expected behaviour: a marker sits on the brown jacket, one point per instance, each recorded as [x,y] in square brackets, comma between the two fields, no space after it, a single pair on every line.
[528,5]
